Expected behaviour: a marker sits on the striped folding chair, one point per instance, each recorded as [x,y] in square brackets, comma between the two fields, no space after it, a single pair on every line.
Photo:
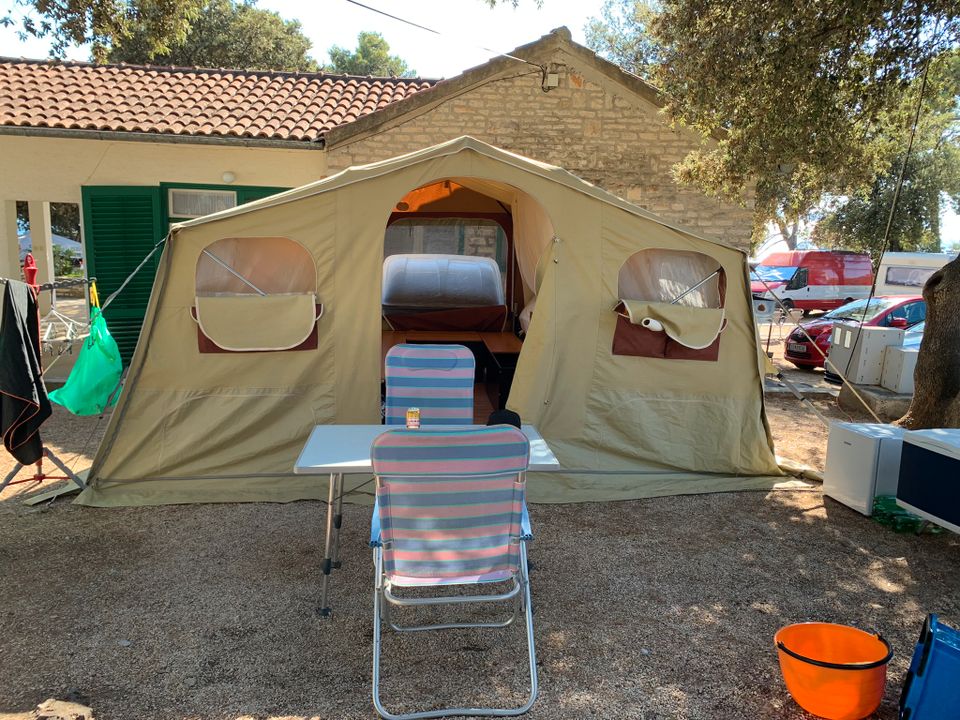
[438,379]
[451,511]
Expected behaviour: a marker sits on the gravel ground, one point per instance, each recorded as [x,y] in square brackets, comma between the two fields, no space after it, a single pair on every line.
[661,608]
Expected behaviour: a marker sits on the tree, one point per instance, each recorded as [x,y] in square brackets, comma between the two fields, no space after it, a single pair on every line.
[859,223]
[931,174]
[226,34]
[622,35]
[104,24]
[807,98]
[372,57]
[64,219]
[936,395]
[810,95]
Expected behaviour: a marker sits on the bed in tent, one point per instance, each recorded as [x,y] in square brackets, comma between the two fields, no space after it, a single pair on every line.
[640,365]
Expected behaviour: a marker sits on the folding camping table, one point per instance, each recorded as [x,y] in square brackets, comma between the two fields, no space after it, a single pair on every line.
[338,450]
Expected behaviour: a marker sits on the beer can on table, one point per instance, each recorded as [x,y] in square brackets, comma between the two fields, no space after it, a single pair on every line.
[413,418]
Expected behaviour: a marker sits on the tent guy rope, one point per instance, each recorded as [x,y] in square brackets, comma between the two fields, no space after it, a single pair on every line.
[800,327]
[896,194]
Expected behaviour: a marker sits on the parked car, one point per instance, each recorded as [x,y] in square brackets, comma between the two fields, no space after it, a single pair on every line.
[813,279]
[900,311]
[914,335]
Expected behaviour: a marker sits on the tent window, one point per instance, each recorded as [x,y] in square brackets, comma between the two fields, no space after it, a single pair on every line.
[670,305]
[256,294]
[476,237]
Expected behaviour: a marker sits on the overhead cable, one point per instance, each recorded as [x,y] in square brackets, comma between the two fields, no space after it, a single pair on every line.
[437,32]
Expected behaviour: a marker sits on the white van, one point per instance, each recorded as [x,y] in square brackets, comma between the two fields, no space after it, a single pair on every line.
[904,273]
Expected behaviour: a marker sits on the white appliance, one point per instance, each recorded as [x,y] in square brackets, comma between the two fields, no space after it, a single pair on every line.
[857,351]
[929,484]
[898,366]
[863,460]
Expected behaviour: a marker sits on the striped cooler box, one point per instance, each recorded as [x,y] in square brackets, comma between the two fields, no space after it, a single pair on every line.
[438,379]
[450,503]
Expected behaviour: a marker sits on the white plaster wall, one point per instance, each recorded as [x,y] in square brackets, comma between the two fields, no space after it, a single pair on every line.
[53,169]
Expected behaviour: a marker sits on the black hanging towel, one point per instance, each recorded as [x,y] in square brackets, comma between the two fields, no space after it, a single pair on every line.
[23,397]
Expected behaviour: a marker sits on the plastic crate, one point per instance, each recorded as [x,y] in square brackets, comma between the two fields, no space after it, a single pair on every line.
[931,690]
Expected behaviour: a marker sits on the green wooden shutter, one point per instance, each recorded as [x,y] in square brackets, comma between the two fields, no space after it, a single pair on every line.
[121,225]
[251,193]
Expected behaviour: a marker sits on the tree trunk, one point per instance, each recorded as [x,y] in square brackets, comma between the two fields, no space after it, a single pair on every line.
[936,395]
[788,231]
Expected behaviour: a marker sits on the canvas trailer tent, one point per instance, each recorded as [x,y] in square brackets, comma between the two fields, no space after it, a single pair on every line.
[641,367]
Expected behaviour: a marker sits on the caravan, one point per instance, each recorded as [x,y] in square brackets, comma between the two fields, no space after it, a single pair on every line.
[905,273]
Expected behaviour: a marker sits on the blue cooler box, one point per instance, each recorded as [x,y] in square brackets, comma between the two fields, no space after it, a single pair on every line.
[931,690]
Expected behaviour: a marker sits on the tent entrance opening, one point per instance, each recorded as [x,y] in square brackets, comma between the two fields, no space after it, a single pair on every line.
[452,274]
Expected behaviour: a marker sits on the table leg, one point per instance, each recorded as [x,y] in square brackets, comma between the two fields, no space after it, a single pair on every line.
[327,563]
[337,522]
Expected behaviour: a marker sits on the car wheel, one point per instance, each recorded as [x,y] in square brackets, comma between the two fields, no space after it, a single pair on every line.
[788,303]
[847,300]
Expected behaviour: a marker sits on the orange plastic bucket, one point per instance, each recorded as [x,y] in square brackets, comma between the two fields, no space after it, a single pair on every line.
[833,671]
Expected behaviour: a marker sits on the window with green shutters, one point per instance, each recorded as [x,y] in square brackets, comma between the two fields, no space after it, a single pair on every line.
[121,225]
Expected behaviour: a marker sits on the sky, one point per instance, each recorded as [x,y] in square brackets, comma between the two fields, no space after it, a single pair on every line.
[467,27]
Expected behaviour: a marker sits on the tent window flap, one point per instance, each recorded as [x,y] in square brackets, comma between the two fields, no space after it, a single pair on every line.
[256,294]
[245,323]
[670,305]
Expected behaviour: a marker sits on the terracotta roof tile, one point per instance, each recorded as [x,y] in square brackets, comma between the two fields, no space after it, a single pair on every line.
[183,101]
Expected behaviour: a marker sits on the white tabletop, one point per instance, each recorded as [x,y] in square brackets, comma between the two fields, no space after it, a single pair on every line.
[346,449]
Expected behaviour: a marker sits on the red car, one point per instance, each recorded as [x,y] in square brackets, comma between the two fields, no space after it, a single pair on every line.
[892,311]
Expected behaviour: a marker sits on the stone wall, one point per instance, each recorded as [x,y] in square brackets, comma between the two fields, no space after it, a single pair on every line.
[590,125]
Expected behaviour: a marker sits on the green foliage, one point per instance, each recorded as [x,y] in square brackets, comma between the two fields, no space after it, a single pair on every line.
[226,34]
[64,219]
[63,262]
[803,99]
[932,172]
[104,23]
[372,57]
[860,222]
[622,35]
[810,95]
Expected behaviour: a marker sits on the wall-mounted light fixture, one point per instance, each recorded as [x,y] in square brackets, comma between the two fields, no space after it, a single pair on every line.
[228,176]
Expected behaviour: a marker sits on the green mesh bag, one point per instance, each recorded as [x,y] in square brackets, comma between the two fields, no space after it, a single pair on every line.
[92,385]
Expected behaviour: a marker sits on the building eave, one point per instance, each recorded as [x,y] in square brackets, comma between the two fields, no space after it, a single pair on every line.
[114,135]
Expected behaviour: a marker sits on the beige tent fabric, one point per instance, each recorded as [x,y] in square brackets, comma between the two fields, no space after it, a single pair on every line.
[693,327]
[206,427]
[532,224]
[254,322]
[610,414]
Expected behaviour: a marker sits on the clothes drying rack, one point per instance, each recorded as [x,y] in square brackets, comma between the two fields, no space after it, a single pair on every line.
[40,474]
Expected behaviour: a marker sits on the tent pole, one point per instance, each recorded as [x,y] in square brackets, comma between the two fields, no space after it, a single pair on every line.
[686,292]
[233,272]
